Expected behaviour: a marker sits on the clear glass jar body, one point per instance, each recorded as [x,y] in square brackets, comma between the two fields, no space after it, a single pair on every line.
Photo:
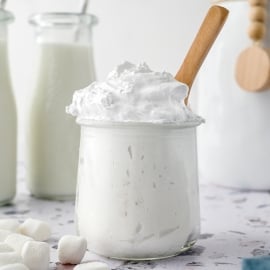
[137,195]
[8,118]
[233,145]
[65,63]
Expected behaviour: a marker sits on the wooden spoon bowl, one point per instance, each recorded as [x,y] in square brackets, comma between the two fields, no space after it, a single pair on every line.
[252,71]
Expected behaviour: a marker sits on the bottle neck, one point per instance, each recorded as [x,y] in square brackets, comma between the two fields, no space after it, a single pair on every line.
[64,28]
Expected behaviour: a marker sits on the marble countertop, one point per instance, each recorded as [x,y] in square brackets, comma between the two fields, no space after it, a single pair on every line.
[234,224]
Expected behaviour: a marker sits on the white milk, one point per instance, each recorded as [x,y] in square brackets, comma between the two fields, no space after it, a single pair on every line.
[8,133]
[54,137]
[137,191]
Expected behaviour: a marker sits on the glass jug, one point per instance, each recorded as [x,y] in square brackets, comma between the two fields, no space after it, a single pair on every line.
[234,144]
[8,118]
[65,63]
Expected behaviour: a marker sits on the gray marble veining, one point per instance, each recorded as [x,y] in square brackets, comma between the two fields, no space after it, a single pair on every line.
[235,225]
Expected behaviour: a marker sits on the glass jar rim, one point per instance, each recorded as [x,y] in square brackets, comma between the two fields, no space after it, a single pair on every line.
[62,19]
[6,16]
[112,124]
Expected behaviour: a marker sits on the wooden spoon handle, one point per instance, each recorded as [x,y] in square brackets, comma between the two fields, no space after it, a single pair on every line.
[201,45]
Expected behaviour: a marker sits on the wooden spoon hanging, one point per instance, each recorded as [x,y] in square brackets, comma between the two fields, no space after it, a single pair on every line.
[253,64]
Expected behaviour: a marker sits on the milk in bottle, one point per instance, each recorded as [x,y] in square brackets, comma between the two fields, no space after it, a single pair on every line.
[8,122]
[65,63]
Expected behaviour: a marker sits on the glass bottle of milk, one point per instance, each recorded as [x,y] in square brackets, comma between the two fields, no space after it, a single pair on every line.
[65,63]
[8,118]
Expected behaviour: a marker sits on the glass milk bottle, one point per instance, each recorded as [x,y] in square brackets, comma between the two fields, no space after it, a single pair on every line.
[8,118]
[65,63]
[234,144]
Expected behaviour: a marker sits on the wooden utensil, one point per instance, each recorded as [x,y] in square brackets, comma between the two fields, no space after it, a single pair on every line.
[201,45]
[253,64]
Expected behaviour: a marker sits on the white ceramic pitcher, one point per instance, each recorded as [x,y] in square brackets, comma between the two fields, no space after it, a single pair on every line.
[234,144]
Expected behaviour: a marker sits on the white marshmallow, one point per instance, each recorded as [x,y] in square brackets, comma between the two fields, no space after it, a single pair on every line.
[16,241]
[4,247]
[92,266]
[71,249]
[9,224]
[37,229]
[36,255]
[15,266]
[4,234]
[9,258]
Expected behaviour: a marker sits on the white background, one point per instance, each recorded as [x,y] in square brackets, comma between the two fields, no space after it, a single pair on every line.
[156,31]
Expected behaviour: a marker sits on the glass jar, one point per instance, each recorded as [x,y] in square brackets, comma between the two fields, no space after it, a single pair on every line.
[137,195]
[233,145]
[65,63]
[8,118]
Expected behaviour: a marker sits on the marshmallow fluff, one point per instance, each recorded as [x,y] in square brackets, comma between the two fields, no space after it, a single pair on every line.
[137,174]
[133,93]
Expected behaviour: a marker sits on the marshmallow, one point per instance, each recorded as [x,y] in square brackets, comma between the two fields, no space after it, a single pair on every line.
[9,224]
[4,234]
[92,266]
[4,247]
[36,255]
[9,258]
[15,266]
[16,241]
[37,229]
[71,249]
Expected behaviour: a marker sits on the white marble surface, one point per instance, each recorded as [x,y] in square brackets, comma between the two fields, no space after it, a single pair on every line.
[234,225]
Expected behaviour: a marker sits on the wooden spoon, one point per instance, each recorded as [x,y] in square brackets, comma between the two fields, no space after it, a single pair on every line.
[201,45]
